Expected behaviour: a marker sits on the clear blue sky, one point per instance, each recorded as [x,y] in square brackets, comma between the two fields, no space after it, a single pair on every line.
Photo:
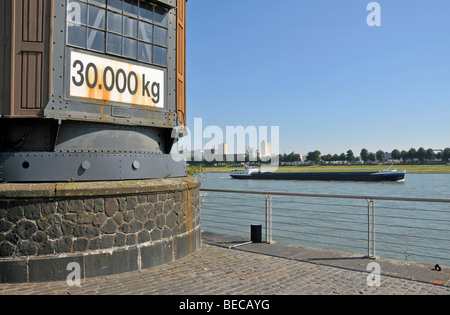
[319,72]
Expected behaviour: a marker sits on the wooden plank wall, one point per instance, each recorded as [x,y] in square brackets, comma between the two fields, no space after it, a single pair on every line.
[30,60]
[181,61]
[5,57]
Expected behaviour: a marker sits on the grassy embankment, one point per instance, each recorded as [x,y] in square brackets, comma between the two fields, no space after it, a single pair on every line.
[410,169]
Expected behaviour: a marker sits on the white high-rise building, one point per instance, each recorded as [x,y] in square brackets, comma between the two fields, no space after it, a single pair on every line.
[221,149]
[265,148]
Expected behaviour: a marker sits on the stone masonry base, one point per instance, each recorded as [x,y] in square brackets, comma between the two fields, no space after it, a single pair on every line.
[103,227]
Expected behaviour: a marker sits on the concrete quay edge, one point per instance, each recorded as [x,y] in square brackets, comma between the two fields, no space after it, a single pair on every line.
[103,188]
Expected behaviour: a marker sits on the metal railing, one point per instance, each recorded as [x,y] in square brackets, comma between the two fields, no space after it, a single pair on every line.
[413,229]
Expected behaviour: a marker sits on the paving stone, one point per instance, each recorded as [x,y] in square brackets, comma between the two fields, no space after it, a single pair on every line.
[218,270]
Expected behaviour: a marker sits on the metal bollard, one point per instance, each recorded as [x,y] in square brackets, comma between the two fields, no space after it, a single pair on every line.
[256,233]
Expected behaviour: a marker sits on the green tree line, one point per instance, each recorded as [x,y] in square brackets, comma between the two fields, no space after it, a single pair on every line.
[412,154]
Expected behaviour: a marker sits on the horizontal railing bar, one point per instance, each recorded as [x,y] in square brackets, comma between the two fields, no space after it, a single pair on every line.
[356,206]
[415,246]
[322,234]
[317,203]
[319,219]
[215,215]
[255,198]
[413,218]
[318,227]
[412,227]
[326,196]
[414,237]
[240,222]
[234,224]
[316,220]
[207,203]
[315,212]
[424,211]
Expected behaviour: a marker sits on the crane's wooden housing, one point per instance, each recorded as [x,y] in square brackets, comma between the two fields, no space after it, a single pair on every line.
[91,89]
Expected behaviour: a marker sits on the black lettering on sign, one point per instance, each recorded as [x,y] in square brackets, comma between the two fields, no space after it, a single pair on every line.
[94,83]
[121,88]
[111,79]
[145,85]
[79,82]
[132,90]
[155,92]
[107,70]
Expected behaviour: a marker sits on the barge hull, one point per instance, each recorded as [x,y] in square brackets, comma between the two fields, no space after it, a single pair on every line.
[327,176]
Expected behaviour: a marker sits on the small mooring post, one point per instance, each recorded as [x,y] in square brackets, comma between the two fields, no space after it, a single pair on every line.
[256,233]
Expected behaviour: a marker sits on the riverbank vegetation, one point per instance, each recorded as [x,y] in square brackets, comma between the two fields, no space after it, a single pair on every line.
[410,169]
[412,156]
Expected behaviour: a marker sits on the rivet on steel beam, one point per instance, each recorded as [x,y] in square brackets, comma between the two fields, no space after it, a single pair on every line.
[136,164]
[86,165]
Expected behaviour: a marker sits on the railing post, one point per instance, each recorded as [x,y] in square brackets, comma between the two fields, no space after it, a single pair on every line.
[370,228]
[268,218]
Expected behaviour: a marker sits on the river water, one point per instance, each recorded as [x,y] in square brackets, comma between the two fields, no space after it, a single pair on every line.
[413,231]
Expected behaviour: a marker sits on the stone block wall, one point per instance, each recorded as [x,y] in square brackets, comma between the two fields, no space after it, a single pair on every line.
[140,223]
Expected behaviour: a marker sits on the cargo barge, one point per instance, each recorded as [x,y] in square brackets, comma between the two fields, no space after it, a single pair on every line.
[380,176]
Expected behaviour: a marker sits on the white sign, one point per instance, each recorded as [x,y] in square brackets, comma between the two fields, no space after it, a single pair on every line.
[110,80]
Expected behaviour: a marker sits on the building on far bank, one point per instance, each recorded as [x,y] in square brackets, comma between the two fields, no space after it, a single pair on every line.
[265,149]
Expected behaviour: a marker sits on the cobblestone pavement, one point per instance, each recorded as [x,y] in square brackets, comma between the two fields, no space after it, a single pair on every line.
[215,270]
